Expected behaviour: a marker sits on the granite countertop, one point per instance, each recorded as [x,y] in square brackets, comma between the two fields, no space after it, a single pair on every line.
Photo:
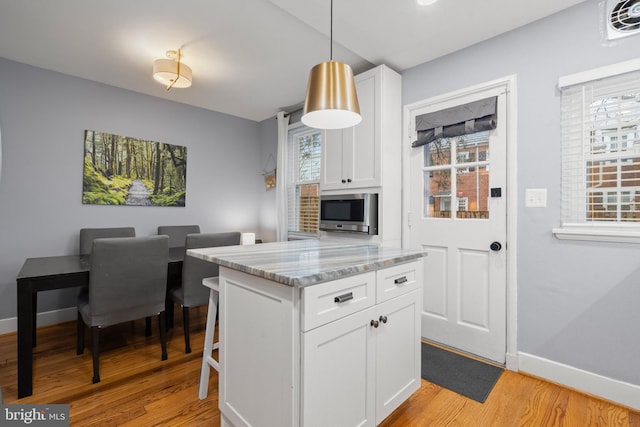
[305,262]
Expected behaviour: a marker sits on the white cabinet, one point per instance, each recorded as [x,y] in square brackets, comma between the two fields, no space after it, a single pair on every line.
[398,356]
[353,157]
[340,353]
[368,156]
[357,369]
[338,372]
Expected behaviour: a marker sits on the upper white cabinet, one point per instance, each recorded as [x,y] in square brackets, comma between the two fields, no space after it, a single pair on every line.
[368,157]
[356,157]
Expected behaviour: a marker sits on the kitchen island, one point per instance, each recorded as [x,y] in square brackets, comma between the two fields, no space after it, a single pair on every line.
[316,333]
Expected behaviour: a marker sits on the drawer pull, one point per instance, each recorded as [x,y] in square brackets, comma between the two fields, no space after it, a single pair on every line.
[343,298]
[400,280]
[383,319]
[374,323]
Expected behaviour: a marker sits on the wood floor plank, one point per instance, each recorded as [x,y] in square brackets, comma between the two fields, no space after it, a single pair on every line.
[138,389]
[505,404]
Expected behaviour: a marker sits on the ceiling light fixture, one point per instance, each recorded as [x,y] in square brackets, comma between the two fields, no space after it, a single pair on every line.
[331,101]
[171,72]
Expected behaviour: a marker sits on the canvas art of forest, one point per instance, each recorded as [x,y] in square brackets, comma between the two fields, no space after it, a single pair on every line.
[120,170]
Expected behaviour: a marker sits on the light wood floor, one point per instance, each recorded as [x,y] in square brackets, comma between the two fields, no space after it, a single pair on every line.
[138,389]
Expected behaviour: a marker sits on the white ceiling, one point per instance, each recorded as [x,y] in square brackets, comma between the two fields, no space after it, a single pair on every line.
[250,58]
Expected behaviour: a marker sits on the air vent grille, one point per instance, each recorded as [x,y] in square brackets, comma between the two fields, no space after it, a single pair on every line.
[623,18]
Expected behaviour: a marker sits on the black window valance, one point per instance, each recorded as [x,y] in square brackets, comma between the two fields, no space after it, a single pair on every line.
[460,120]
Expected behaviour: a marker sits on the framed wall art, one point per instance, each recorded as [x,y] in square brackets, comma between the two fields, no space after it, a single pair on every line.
[121,170]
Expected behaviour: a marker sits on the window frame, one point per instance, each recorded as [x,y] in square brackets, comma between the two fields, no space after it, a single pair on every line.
[594,230]
[294,132]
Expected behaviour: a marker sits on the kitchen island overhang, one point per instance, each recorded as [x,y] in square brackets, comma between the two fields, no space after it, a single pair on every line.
[303,263]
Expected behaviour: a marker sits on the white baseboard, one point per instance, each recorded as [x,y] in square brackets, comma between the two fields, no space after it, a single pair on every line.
[511,362]
[46,318]
[597,385]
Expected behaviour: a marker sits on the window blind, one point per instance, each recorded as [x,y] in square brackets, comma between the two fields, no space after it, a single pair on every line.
[600,123]
[303,182]
[460,120]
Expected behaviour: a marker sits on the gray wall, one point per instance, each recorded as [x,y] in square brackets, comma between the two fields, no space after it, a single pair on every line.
[43,116]
[577,301]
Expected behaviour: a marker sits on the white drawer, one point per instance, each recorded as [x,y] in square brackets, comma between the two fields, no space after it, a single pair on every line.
[397,280]
[329,301]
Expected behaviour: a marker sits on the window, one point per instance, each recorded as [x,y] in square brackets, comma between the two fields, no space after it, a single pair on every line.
[601,156]
[463,204]
[303,181]
[470,169]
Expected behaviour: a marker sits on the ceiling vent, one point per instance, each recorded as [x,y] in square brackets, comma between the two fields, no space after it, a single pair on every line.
[623,18]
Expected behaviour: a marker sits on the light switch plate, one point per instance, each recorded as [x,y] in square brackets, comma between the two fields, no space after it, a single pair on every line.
[536,198]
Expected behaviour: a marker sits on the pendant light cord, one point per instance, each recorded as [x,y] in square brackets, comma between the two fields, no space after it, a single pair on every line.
[331,34]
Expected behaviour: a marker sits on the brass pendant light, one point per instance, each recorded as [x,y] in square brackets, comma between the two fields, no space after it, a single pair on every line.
[331,101]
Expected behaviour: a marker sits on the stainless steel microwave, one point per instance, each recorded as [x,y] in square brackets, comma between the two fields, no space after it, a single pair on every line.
[354,213]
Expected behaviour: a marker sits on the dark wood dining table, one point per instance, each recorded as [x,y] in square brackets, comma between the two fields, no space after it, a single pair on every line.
[59,272]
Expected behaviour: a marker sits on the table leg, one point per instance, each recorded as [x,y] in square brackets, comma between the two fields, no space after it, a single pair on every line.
[174,279]
[168,308]
[34,318]
[26,329]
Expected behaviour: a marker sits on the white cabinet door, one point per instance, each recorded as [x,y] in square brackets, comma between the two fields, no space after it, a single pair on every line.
[356,373]
[362,163]
[351,157]
[332,158]
[397,352]
[338,371]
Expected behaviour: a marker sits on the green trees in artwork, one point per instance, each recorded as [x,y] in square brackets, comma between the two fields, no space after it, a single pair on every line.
[127,171]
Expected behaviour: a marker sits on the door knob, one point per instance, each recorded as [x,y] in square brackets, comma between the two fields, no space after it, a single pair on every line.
[495,246]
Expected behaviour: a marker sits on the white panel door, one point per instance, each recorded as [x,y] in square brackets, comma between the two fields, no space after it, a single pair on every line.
[458,215]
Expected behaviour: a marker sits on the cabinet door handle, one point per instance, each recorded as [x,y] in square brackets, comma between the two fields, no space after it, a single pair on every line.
[374,323]
[343,298]
[401,280]
[348,179]
[344,181]
[383,319]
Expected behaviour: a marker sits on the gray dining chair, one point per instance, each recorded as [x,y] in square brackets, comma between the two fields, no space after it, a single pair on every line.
[192,293]
[177,233]
[127,281]
[88,235]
